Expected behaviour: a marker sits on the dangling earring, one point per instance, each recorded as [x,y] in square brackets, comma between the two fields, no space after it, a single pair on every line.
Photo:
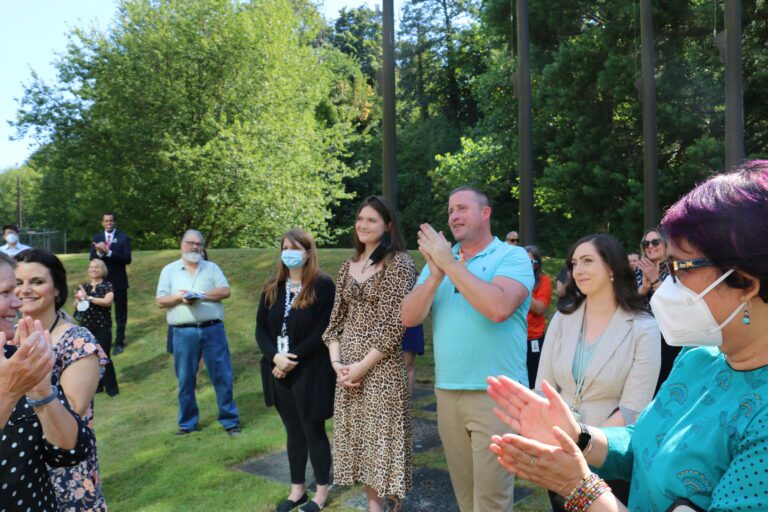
[611,278]
[747,320]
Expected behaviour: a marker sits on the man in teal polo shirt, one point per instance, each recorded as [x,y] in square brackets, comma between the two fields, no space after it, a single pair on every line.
[479,291]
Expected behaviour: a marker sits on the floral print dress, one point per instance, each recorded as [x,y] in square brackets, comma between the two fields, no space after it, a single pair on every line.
[78,488]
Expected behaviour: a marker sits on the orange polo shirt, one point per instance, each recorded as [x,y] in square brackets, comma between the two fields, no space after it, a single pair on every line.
[542,292]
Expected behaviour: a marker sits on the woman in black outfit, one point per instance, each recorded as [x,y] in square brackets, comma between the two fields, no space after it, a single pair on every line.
[296,373]
[97,318]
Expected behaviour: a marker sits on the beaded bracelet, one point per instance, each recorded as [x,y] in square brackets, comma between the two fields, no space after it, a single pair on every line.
[588,490]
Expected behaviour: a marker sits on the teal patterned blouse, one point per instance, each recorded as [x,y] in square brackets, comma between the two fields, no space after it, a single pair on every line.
[704,438]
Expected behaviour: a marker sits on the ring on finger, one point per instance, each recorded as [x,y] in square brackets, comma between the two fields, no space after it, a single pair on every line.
[532,461]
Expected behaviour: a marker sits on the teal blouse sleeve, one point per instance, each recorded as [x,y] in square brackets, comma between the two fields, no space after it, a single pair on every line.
[744,485]
[618,463]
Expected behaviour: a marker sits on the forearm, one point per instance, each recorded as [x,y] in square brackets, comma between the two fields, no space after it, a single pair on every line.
[538,307]
[607,502]
[486,298]
[334,352]
[7,403]
[103,302]
[217,294]
[418,302]
[371,359]
[59,426]
[168,301]
[597,454]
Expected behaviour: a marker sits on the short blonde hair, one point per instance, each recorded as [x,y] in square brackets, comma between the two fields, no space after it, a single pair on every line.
[102,266]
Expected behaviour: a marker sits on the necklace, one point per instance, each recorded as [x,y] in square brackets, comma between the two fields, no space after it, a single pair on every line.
[368,264]
[55,322]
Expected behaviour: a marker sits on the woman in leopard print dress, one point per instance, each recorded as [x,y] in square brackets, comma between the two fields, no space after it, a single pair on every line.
[373,436]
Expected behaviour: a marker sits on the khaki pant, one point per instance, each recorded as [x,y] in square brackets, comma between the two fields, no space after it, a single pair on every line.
[466,422]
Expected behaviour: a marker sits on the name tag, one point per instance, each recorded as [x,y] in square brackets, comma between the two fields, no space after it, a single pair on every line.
[535,346]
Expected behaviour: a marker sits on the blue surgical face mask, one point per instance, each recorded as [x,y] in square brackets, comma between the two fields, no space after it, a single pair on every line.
[292,258]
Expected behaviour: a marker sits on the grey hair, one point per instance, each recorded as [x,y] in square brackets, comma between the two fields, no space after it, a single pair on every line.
[4,258]
[196,233]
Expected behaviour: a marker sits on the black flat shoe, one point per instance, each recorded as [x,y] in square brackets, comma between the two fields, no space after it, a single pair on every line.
[288,505]
[182,432]
[312,506]
[118,350]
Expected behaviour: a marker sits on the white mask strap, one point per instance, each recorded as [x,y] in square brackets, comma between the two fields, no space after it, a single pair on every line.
[715,283]
[730,317]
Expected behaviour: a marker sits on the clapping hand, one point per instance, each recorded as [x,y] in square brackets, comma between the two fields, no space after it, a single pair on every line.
[28,371]
[80,294]
[650,271]
[435,249]
[559,467]
[529,414]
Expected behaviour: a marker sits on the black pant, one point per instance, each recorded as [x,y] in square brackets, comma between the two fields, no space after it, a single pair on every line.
[104,337]
[121,315]
[532,360]
[305,436]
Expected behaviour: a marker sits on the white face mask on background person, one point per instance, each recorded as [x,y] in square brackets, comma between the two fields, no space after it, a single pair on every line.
[11,238]
[192,257]
[684,317]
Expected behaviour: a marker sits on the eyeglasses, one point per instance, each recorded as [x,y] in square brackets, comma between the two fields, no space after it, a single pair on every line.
[513,240]
[677,265]
[193,244]
[655,242]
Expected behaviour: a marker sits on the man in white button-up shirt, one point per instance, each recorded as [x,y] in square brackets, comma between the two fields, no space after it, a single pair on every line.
[191,290]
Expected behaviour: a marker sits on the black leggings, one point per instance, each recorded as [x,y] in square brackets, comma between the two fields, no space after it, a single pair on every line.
[104,336]
[305,437]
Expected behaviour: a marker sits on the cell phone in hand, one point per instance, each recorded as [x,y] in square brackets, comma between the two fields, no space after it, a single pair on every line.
[193,296]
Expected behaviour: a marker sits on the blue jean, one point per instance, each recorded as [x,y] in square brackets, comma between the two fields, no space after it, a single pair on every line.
[188,344]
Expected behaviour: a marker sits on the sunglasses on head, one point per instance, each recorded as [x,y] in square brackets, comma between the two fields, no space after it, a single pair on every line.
[677,265]
[655,242]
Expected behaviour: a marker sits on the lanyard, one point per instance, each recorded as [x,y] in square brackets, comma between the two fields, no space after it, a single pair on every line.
[282,340]
[582,366]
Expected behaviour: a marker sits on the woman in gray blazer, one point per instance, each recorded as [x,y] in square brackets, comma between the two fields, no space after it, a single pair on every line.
[602,350]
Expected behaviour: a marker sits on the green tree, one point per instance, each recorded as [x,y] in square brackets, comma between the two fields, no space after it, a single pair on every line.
[214,114]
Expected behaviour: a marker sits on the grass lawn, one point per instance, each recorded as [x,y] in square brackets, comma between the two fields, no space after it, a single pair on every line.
[144,466]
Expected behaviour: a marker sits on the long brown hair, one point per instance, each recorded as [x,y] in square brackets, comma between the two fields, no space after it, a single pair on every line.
[310,272]
[391,242]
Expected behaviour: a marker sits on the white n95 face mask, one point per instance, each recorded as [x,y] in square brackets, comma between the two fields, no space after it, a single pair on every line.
[684,317]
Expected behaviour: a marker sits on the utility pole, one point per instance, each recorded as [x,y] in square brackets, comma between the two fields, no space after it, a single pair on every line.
[388,136]
[19,213]
[525,126]
[734,105]
[650,156]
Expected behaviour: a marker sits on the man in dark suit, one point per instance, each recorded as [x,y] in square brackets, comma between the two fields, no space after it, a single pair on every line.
[114,247]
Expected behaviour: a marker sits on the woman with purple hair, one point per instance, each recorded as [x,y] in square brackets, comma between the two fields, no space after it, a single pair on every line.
[702,444]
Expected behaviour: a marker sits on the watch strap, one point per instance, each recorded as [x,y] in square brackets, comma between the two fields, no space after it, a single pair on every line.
[48,399]
[584,437]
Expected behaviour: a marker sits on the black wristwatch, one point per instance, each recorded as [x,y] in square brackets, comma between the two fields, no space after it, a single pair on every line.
[584,437]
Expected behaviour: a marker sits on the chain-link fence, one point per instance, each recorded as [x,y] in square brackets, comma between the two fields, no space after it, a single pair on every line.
[50,240]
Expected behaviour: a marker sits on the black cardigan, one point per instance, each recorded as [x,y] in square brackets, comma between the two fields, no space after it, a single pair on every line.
[313,380]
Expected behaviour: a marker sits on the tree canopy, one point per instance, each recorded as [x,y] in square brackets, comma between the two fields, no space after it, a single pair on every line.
[247,118]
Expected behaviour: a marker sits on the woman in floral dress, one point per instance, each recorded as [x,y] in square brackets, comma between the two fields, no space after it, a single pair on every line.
[41,284]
